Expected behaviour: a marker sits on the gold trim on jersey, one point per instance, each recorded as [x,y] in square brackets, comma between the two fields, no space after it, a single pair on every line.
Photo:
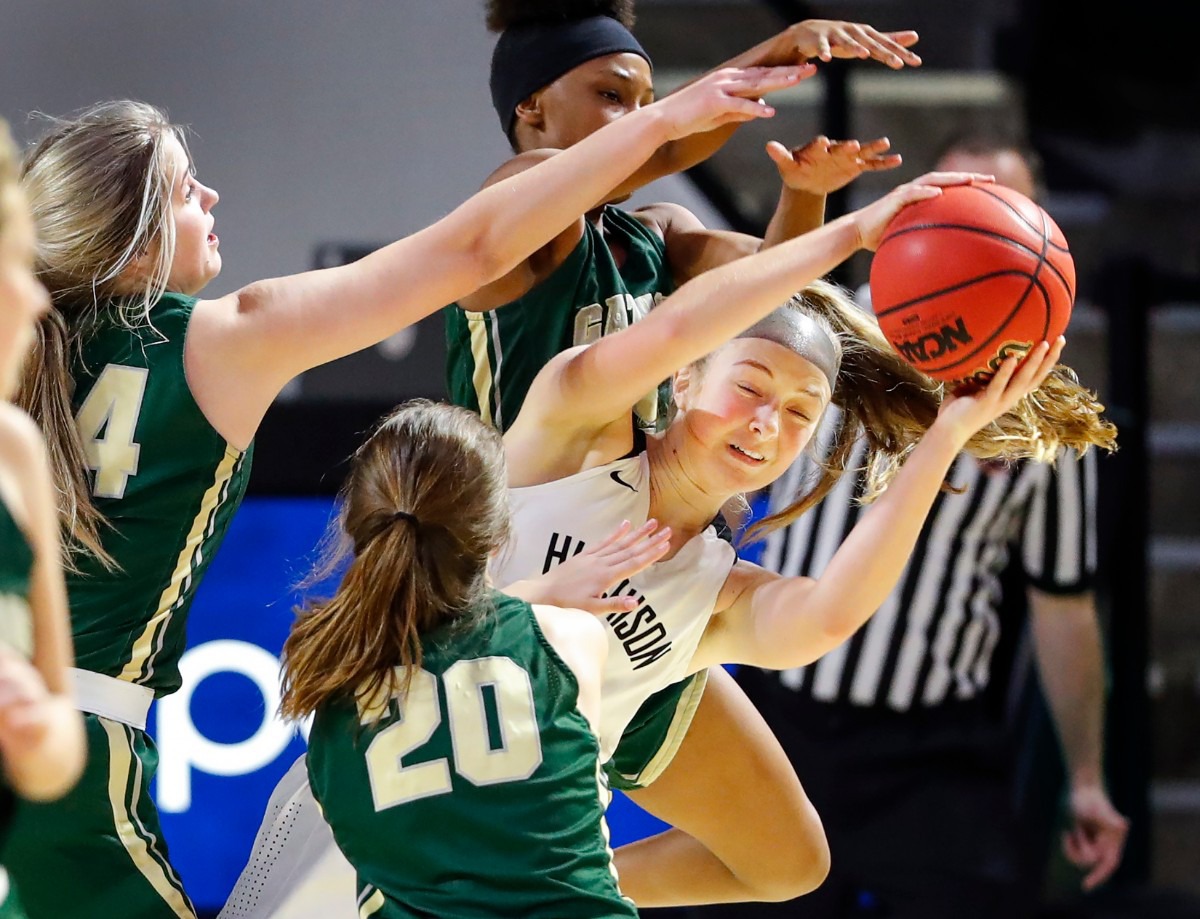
[140,666]
[16,625]
[372,905]
[604,794]
[153,866]
[685,711]
[481,376]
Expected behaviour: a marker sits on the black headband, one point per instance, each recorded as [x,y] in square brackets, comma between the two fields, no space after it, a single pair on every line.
[528,57]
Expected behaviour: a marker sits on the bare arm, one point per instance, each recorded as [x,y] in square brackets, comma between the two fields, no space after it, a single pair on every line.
[579,639]
[41,734]
[243,348]
[787,622]
[812,172]
[583,580]
[1066,634]
[808,174]
[810,40]
[589,388]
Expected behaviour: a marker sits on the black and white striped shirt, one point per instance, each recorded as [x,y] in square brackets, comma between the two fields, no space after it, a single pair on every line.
[933,639]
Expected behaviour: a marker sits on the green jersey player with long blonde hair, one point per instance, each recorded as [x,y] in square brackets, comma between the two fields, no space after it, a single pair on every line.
[150,396]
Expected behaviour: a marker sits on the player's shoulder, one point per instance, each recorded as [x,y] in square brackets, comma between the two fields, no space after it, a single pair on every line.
[558,622]
[665,217]
[577,636]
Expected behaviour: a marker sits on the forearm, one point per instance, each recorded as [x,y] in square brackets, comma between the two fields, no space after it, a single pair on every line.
[686,152]
[276,328]
[796,620]
[796,214]
[868,564]
[1066,634]
[702,315]
[524,212]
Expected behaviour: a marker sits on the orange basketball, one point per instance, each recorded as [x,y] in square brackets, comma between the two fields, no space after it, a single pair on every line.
[963,280]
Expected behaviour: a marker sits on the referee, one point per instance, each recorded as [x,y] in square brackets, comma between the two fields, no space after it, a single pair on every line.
[900,735]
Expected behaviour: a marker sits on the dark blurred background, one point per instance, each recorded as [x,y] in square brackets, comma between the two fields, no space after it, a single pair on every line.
[330,129]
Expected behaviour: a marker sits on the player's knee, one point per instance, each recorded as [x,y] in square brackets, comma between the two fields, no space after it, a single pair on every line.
[796,868]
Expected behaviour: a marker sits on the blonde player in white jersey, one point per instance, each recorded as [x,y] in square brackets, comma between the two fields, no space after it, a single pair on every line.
[744,413]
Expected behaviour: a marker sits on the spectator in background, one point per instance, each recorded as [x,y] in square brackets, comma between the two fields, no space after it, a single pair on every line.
[897,735]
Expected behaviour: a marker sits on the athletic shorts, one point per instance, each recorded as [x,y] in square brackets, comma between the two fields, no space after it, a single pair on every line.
[655,733]
[98,851]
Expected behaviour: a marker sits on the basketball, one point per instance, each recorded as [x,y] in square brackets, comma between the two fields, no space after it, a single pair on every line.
[961,281]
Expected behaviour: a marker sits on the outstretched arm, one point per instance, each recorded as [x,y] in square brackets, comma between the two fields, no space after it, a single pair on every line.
[813,172]
[808,175]
[243,348]
[777,622]
[585,389]
[810,40]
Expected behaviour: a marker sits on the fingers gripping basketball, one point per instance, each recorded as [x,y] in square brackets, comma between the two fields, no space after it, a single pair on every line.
[965,279]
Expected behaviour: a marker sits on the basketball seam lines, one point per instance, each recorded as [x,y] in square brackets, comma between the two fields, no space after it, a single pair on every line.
[1032,277]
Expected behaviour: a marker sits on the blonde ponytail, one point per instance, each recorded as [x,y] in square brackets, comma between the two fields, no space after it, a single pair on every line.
[892,405]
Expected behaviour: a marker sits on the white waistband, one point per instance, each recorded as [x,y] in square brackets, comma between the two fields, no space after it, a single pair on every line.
[109,697]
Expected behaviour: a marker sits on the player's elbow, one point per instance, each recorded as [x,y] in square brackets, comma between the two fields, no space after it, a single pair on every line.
[488,255]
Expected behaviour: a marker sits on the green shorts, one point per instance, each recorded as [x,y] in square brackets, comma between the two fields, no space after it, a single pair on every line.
[655,733]
[99,851]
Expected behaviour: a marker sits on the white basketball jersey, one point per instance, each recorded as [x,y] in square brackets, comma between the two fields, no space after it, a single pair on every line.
[651,647]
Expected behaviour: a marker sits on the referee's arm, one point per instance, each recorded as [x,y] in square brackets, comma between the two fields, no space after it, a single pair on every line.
[1059,556]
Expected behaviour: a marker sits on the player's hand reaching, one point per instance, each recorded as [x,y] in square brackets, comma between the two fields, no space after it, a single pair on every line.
[966,410]
[726,96]
[826,39]
[822,166]
[871,221]
[582,580]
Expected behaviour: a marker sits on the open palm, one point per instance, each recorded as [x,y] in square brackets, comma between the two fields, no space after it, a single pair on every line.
[967,410]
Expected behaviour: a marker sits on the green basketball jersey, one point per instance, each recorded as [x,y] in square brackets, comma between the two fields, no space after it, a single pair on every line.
[16,564]
[166,481]
[492,357]
[16,621]
[480,794]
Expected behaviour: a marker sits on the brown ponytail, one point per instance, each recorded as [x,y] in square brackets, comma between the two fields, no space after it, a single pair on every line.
[892,405]
[424,506]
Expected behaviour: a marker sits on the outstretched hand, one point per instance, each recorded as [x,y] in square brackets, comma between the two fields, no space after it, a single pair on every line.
[826,39]
[727,96]
[822,166]
[582,580]
[871,221]
[966,410]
